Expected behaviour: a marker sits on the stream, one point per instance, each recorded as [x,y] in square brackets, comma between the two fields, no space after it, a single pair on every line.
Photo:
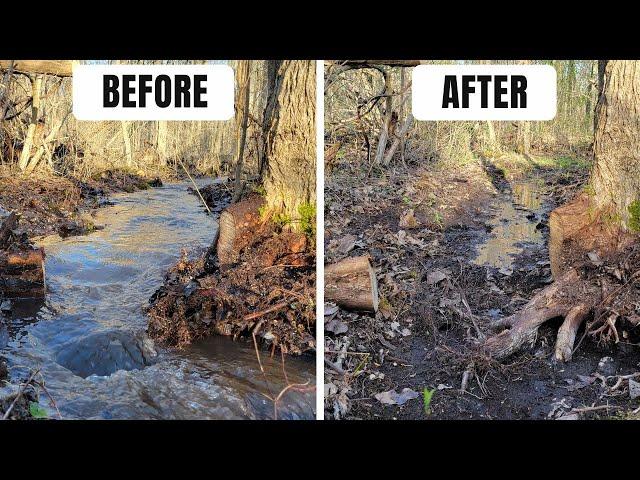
[516,214]
[88,335]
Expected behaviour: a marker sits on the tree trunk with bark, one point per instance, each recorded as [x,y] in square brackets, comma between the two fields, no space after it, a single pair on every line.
[291,140]
[36,86]
[243,75]
[127,143]
[162,144]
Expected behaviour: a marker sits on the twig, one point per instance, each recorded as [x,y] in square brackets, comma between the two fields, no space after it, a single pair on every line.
[277,306]
[19,394]
[194,185]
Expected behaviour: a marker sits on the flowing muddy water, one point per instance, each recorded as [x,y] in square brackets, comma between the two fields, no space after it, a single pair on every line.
[515,221]
[88,336]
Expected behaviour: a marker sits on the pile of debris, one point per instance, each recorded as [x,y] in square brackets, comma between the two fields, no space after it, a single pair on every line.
[255,280]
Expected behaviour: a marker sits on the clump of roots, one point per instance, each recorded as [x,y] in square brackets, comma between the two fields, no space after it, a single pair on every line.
[269,292]
[605,293]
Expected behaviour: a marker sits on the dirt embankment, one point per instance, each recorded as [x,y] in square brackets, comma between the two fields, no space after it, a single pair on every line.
[423,227]
[62,205]
[268,291]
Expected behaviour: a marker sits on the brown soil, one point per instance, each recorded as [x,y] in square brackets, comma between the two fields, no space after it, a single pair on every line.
[427,332]
[53,204]
[269,292]
[216,195]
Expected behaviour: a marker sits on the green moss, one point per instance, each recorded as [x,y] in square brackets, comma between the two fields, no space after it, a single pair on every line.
[589,190]
[260,190]
[281,219]
[634,216]
[307,213]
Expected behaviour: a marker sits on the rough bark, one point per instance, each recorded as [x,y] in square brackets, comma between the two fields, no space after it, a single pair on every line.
[616,174]
[33,123]
[352,284]
[242,120]
[291,140]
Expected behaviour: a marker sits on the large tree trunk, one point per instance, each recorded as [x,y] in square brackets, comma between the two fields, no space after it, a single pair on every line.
[163,141]
[31,130]
[616,173]
[243,75]
[291,140]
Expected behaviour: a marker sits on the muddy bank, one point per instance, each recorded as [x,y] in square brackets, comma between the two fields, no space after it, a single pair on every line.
[267,291]
[53,204]
[444,278]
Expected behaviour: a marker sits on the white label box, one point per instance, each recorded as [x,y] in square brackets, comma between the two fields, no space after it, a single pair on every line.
[153,92]
[484,92]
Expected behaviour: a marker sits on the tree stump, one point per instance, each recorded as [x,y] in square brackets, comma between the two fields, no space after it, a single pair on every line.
[22,274]
[564,223]
[238,224]
[351,283]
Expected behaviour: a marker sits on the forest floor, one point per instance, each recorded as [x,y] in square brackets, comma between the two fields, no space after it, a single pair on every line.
[456,247]
[55,204]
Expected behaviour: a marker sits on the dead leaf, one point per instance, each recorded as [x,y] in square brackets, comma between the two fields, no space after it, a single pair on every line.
[437,276]
[346,244]
[330,309]
[595,259]
[391,397]
[336,327]
[408,220]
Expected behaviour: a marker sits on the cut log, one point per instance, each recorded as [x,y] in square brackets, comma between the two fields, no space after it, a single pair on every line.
[59,68]
[352,284]
[6,230]
[22,274]
[238,224]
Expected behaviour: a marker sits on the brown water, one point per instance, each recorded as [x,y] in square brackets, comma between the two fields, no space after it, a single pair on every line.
[515,215]
[89,339]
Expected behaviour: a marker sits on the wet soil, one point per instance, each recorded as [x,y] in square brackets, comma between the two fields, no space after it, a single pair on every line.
[476,253]
[63,205]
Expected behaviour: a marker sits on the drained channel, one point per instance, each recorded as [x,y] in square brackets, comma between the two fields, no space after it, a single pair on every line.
[88,336]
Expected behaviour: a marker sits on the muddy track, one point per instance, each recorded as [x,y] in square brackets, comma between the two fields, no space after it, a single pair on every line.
[480,288]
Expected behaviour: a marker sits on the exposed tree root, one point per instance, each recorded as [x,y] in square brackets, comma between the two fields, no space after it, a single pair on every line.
[553,301]
[568,330]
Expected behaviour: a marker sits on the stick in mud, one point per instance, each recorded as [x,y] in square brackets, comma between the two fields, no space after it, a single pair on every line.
[194,185]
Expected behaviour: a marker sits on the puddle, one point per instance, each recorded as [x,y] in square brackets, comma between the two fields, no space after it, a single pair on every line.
[515,220]
[88,337]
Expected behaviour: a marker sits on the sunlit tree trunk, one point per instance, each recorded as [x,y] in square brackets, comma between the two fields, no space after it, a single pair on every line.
[616,174]
[291,139]
[33,123]
[127,143]
[162,143]
[242,119]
